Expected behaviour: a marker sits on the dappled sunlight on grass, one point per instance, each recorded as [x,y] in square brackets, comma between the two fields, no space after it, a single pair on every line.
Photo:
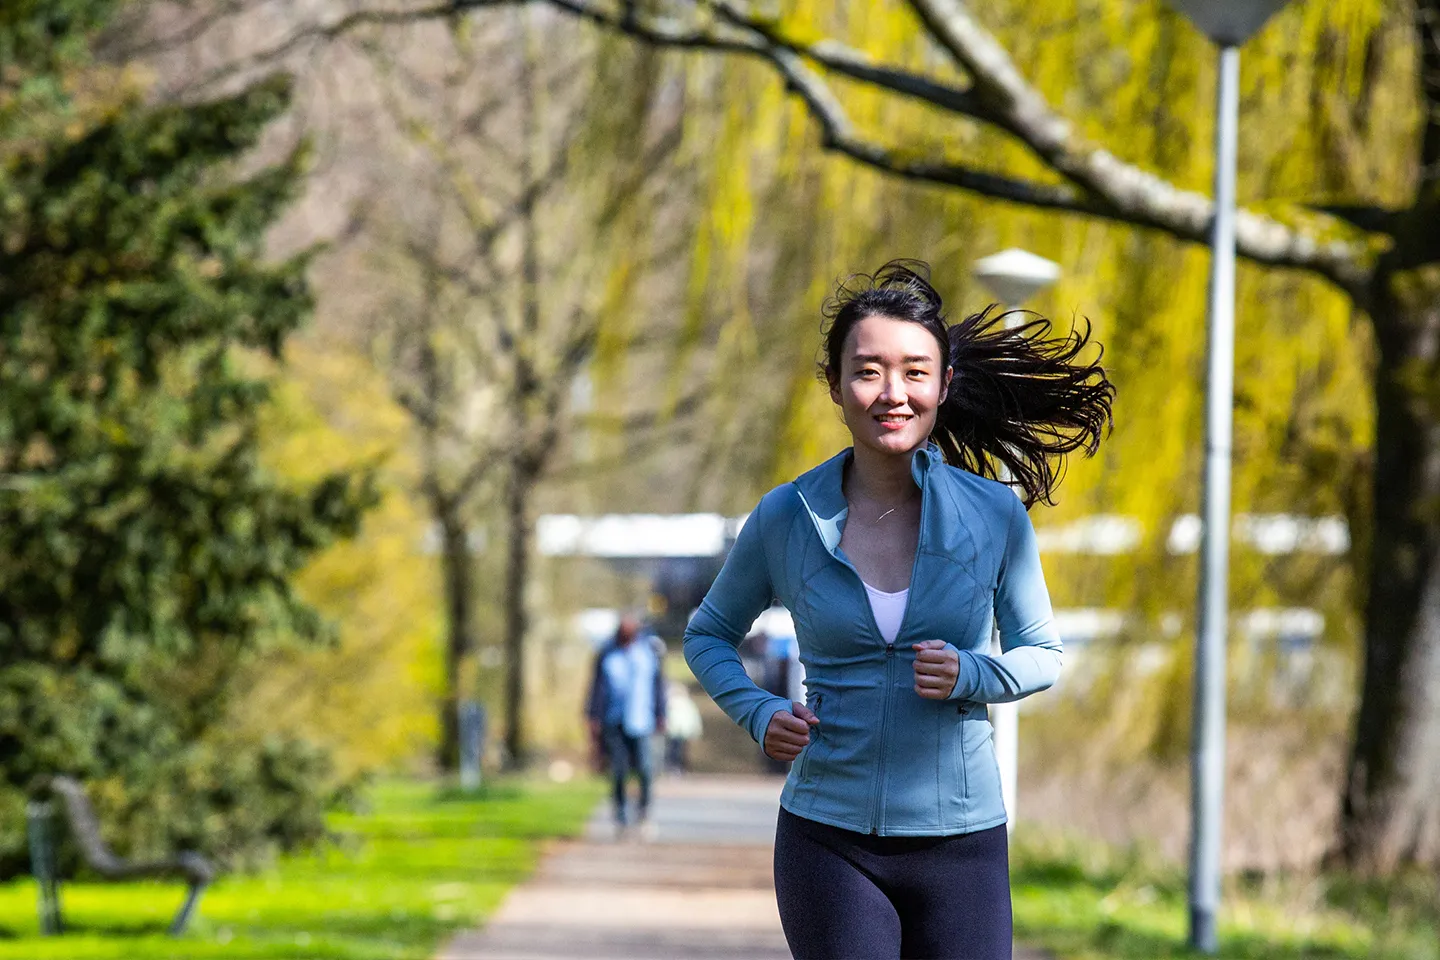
[415,866]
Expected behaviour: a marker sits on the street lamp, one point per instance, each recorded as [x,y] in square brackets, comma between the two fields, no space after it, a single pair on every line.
[1229,23]
[1013,276]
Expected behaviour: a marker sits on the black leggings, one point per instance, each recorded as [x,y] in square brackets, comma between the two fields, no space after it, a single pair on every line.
[850,895]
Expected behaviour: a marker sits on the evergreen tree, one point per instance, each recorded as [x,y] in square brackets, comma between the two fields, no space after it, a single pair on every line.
[145,551]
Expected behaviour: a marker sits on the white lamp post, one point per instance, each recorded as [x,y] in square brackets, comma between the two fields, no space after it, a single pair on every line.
[1229,23]
[1013,276]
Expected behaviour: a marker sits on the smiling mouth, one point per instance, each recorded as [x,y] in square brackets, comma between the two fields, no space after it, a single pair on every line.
[895,419]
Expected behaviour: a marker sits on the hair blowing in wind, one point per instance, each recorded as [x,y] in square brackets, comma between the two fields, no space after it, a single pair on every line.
[1021,399]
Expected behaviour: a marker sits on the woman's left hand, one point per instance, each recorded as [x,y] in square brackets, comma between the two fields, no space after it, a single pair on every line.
[937,667]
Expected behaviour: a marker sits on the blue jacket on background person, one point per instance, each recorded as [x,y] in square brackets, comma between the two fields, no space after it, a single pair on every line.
[627,688]
[883,759]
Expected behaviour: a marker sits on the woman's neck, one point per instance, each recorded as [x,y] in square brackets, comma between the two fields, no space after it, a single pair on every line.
[882,478]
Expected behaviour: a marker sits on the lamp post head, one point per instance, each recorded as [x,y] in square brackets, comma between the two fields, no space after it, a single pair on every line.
[1015,275]
[1228,22]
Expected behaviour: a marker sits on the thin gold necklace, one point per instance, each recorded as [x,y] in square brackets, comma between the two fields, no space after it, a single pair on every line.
[885,514]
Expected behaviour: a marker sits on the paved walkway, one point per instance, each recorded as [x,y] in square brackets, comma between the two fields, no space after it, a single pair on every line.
[700,890]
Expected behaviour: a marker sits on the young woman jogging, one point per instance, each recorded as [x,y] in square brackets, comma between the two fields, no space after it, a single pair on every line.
[895,557]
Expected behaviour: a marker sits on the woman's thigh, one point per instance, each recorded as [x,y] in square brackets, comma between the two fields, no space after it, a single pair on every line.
[954,899]
[828,907]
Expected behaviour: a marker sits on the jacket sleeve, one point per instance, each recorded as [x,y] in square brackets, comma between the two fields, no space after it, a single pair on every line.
[712,639]
[599,698]
[1030,645]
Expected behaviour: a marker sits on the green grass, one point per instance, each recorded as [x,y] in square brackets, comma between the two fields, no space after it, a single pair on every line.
[1088,902]
[415,867]
[420,865]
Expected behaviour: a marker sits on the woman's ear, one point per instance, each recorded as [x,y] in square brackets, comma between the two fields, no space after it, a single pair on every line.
[945,387]
[833,378]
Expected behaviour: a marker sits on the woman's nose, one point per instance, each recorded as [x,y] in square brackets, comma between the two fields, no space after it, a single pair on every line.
[894,390]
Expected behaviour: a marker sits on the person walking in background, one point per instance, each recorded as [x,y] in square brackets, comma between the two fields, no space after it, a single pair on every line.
[895,557]
[625,708]
[682,726]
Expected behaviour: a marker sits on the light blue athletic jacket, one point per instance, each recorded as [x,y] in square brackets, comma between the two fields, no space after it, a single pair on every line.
[884,759]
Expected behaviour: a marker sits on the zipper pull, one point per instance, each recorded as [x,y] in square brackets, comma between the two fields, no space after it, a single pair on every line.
[889,650]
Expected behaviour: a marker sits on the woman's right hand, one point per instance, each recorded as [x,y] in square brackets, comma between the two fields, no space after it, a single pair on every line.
[789,732]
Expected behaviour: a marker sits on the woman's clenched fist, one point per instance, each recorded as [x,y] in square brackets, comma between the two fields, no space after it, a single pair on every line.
[937,667]
[789,732]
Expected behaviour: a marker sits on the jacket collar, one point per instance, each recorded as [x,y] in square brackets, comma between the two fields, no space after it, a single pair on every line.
[822,489]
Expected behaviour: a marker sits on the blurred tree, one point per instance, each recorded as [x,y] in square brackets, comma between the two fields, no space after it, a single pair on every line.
[146,554]
[525,240]
[369,697]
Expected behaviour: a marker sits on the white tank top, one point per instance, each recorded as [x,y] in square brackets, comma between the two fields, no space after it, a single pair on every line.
[888,608]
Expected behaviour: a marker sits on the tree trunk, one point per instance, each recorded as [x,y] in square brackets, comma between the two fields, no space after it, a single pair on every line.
[1390,813]
[458,566]
[520,484]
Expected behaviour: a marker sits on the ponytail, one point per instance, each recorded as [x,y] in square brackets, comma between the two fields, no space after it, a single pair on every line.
[1022,401]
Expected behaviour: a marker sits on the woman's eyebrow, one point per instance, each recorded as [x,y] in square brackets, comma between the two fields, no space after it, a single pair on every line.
[876,358]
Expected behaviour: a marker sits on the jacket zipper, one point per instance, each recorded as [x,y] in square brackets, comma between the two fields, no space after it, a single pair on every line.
[877,799]
[878,794]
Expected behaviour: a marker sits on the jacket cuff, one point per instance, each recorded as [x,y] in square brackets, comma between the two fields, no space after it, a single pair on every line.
[760,722]
[969,677]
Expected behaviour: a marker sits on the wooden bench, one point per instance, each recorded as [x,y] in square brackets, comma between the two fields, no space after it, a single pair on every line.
[85,830]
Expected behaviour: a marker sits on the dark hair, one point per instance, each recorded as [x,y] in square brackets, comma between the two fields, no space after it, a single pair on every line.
[1019,399]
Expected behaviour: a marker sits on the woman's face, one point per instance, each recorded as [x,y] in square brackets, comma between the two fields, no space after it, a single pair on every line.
[890,384]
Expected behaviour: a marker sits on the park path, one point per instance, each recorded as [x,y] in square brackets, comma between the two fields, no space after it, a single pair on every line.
[700,890]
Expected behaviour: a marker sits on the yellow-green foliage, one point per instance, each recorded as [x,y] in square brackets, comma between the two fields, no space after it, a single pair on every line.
[1327,95]
[370,697]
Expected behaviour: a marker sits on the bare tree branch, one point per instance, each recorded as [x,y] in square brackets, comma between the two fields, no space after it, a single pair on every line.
[1135,195]
[838,58]
[318,32]
[838,134]
[1108,187]
[482,465]
[668,32]
[648,419]
[1103,185]
[417,405]
[122,46]
[1099,183]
